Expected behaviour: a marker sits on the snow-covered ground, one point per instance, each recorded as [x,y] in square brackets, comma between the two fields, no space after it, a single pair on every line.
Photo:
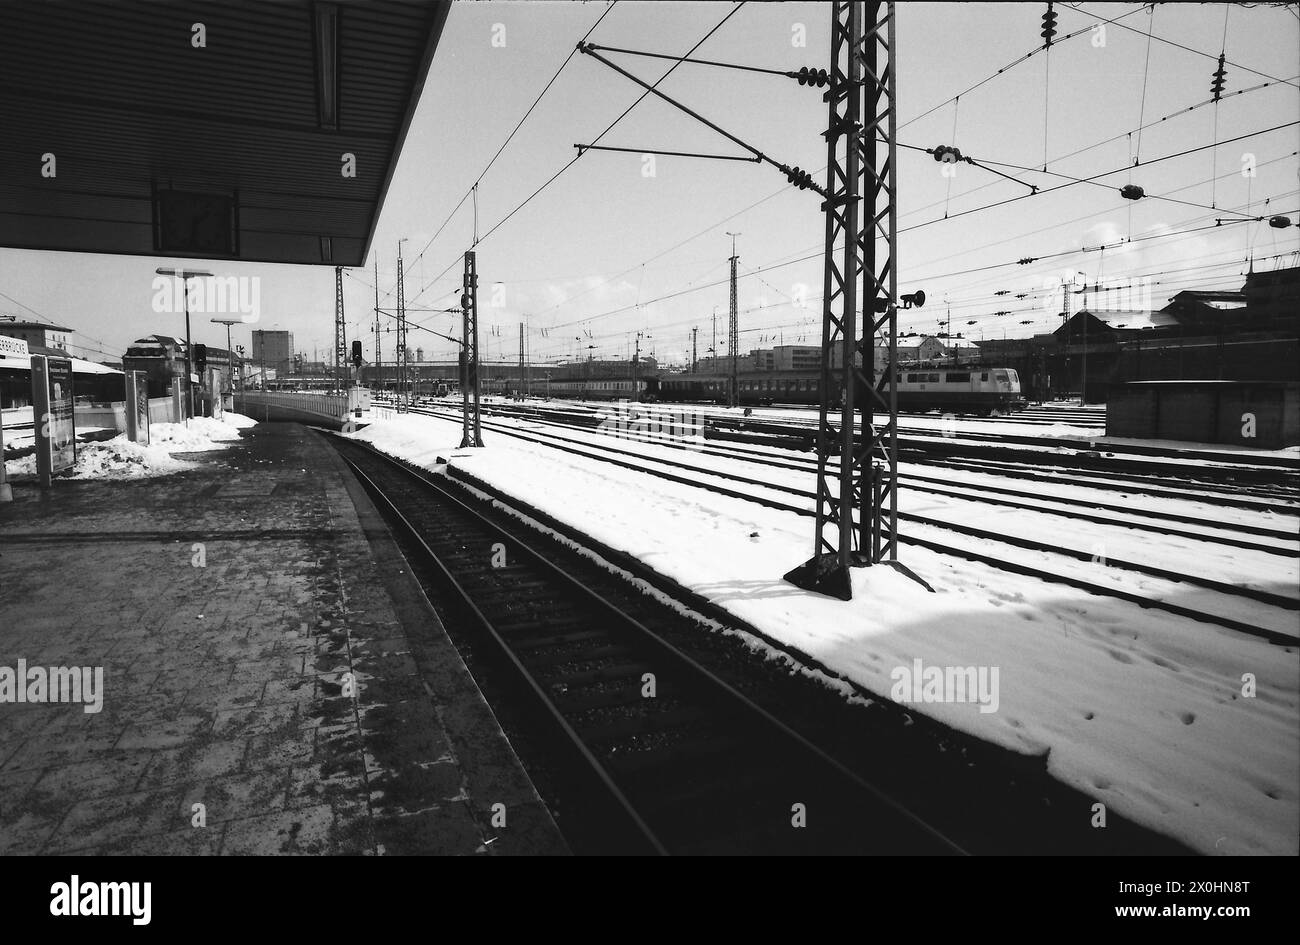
[119,458]
[957,426]
[1145,711]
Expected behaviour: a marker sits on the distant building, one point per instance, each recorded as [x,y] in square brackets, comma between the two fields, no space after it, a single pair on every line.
[928,348]
[1251,334]
[596,369]
[37,334]
[274,351]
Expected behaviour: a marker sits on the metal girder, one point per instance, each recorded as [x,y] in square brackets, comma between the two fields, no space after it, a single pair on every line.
[379,354]
[340,333]
[471,432]
[733,335]
[857,469]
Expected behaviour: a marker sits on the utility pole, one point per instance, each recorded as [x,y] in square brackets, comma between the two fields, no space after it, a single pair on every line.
[521,357]
[695,361]
[471,433]
[858,472]
[379,358]
[733,334]
[340,335]
[230,352]
[401,329]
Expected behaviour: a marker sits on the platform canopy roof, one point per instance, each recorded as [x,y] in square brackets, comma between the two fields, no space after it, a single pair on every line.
[214,130]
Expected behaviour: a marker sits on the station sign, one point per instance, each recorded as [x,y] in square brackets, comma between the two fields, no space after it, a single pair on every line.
[56,435]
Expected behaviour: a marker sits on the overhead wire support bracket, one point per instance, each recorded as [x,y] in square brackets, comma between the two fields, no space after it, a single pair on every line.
[804,76]
[797,176]
[691,154]
[948,154]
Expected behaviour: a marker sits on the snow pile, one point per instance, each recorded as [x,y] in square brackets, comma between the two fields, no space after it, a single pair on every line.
[119,458]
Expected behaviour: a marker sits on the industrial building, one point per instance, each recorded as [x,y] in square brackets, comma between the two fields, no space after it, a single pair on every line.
[1249,335]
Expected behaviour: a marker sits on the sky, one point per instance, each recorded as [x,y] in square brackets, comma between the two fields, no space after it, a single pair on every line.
[608,250]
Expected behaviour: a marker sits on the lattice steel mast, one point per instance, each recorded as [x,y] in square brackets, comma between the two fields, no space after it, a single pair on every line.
[858,472]
[471,433]
[401,330]
[379,359]
[733,332]
[340,334]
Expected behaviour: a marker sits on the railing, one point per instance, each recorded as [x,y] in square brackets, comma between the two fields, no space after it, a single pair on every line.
[322,404]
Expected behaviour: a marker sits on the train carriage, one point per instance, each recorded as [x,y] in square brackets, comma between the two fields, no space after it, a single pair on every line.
[601,389]
[966,390]
[91,383]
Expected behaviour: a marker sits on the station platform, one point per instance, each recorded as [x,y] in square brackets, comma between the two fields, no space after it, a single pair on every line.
[274,680]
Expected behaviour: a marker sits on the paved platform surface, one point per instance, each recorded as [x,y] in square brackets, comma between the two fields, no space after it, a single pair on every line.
[265,655]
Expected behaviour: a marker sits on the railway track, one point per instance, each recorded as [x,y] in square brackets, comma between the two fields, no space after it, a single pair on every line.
[660,755]
[1159,521]
[609,453]
[1257,497]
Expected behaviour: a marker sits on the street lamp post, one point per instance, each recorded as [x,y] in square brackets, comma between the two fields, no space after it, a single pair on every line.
[230,352]
[185,275]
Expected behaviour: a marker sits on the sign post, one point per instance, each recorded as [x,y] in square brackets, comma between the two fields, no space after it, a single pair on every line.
[56,435]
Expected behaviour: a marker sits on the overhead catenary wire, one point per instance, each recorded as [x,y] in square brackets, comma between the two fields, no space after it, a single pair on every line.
[579,155]
[487,167]
[1091,180]
[1146,71]
[1011,65]
[1199,52]
[788,187]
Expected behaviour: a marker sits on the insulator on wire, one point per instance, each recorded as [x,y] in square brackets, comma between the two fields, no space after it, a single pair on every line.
[1026,261]
[1132,192]
[1279,222]
[1220,75]
[947,154]
[800,178]
[1049,25]
[813,77]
